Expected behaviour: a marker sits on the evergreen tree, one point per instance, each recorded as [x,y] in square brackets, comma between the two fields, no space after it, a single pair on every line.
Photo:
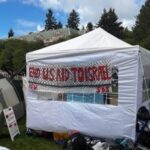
[73,20]
[128,36]
[50,22]
[89,27]
[83,28]
[109,22]
[59,25]
[10,33]
[12,54]
[142,25]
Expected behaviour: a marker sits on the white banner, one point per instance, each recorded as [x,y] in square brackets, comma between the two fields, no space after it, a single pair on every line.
[85,76]
[11,122]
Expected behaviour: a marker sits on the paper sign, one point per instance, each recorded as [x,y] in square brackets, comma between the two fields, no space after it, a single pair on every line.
[11,122]
[77,75]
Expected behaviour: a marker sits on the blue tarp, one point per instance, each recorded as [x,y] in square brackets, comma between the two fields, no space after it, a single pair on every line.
[86,98]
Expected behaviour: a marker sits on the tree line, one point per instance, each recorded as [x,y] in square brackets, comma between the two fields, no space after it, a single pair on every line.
[109,21]
[12,52]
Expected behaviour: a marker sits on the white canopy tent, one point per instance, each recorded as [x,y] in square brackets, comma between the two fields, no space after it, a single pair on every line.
[92,84]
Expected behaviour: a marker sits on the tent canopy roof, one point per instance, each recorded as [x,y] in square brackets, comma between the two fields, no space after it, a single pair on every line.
[97,39]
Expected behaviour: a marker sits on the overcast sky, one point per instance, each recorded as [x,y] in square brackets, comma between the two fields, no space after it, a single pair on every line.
[26,16]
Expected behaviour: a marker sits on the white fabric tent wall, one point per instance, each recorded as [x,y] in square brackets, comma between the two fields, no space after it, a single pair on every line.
[145,75]
[96,120]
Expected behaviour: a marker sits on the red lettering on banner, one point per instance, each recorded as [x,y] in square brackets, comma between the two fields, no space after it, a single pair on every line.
[58,75]
[90,74]
[51,76]
[34,72]
[103,73]
[74,70]
[45,73]
[80,74]
[33,86]
[100,73]
[86,74]
[95,73]
[65,74]
[103,89]
[73,74]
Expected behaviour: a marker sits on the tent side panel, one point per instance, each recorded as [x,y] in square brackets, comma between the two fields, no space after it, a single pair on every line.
[145,62]
[99,120]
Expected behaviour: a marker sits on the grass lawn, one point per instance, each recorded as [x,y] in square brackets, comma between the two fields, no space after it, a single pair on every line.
[24,142]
